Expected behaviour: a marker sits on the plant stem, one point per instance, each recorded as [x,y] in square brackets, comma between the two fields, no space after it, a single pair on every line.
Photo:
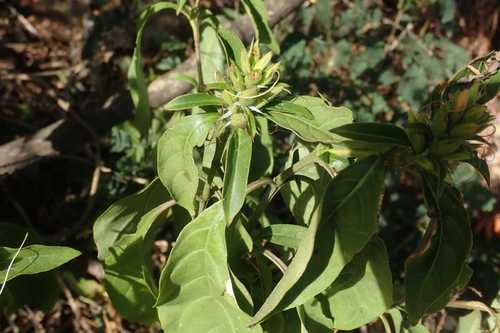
[275,260]
[194,21]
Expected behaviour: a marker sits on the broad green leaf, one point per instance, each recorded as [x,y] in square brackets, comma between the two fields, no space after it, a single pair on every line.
[447,243]
[374,133]
[232,44]
[176,166]
[239,155]
[18,292]
[287,235]
[470,323]
[126,268]
[315,129]
[136,80]
[194,281]
[190,101]
[212,53]
[349,220]
[326,116]
[258,14]
[362,292]
[121,218]
[34,259]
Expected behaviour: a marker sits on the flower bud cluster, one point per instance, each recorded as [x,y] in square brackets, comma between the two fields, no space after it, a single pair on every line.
[452,125]
[250,85]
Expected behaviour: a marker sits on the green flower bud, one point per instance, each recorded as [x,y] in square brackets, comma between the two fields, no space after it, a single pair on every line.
[263,62]
[475,114]
[427,164]
[445,147]
[464,131]
[418,133]
[439,123]
[239,120]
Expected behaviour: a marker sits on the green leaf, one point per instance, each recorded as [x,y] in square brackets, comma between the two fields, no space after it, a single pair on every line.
[193,285]
[304,128]
[287,235]
[18,292]
[34,259]
[374,133]
[447,243]
[136,79]
[176,166]
[362,292]
[482,167]
[239,155]
[190,101]
[212,53]
[258,13]
[315,129]
[400,324]
[470,323]
[349,220]
[121,217]
[299,194]
[127,268]
[326,116]
[232,44]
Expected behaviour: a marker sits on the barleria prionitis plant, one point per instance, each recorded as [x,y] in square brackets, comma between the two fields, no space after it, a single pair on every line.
[236,268]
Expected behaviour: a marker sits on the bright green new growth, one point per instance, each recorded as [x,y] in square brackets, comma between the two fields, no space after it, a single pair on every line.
[216,165]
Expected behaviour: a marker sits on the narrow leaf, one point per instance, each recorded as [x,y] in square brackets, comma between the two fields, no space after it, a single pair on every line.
[136,80]
[232,44]
[190,101]
[180,5]
[239,155]
[176,166]
[258,13]
[374,133]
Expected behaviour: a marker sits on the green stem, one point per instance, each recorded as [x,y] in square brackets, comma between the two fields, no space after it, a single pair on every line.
[194,21]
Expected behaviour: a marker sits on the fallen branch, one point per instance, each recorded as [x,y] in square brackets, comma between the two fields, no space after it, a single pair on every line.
[67,135]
